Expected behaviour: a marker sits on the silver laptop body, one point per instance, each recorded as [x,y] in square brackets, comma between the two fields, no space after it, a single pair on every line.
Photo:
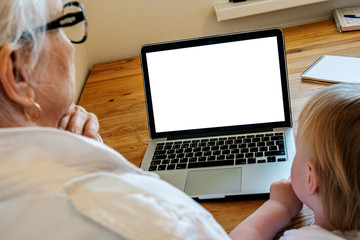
[219,113]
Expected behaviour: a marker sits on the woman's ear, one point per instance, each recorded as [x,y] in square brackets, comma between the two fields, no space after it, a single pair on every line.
[312,181]
[14,84]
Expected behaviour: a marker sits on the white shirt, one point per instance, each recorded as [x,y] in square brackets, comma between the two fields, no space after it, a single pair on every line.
[318,233]
[58,185]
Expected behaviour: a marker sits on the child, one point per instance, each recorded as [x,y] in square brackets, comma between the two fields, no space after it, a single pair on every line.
[325,174]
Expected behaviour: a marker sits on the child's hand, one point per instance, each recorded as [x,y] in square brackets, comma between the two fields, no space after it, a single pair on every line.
[283,192]
[273,215]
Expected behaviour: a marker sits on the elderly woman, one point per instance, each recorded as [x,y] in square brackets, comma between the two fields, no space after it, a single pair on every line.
[37,82]
[57,184]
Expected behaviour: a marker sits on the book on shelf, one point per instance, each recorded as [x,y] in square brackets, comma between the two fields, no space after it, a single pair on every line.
[347,19]
[333,69]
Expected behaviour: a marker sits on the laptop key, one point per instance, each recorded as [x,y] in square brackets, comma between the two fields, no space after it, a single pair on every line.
[159,147]
[251,145]
[202,159]
[240,155]
[170,167]
[217,152]
[193,159]
[244,150]
[208,153]
[230,156]
[205,149]
[226,152]
[198,154]
[165,161]
[160,152]
[240,161]
[274,153]
[247,140]
[153,168]
[255,149]
[235,151]
[184,160]
[277,138]
[181,166]
[155,162]
[180,155]
[180,150]
[159,157]
[161,167]
[251,160]
[170,151]
[273,148]
[224,147]
[263,149]
[170,156]
[173,161]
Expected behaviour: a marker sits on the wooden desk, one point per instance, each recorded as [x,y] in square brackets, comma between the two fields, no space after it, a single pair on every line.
[114,92]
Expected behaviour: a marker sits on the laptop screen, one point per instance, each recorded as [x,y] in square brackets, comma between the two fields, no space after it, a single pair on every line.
[219,85]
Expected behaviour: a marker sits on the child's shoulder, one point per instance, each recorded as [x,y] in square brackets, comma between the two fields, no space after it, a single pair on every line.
[319,233]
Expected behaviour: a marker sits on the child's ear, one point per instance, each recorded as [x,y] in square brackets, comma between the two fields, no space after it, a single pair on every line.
[14,84]
[312,180]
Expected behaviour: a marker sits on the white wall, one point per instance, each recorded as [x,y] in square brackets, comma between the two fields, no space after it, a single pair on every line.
[118,28]
[82,68]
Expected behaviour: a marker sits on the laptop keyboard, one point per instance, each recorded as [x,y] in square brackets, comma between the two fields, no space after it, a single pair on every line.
[222,151]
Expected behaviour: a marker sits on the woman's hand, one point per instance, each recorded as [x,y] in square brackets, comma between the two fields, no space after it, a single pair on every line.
[79,121]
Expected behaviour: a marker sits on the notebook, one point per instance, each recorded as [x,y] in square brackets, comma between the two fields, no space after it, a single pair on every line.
[333,69]
[219,113]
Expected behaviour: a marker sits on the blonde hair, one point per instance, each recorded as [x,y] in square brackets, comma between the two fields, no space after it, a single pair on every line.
[17,17]
[331,131]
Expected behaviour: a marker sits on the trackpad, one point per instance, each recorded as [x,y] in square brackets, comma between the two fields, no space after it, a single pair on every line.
[213,181]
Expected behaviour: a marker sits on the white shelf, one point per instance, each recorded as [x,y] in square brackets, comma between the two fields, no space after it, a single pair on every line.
[228,10]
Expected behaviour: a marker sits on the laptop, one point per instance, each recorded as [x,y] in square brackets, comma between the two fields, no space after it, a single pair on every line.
[219,113]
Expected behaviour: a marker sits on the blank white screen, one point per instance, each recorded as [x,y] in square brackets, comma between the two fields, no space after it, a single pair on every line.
[218,85]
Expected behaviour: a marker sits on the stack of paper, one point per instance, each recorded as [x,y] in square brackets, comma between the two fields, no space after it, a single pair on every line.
[347,19]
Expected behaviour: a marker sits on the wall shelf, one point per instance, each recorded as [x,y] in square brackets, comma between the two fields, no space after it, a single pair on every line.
[228,10]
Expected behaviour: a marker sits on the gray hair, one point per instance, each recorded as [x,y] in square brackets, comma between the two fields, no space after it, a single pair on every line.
[17,17]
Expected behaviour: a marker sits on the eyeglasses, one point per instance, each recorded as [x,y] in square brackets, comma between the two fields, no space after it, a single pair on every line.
[74,23]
